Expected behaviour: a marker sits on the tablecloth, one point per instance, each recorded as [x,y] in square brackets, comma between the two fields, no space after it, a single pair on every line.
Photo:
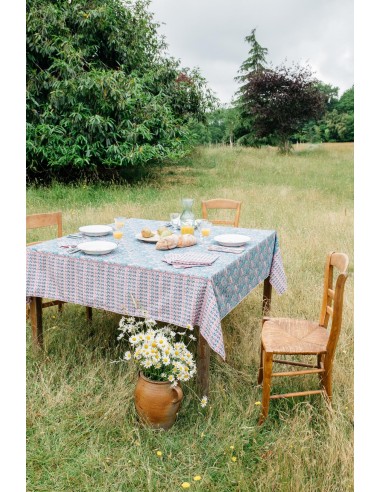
[135,280]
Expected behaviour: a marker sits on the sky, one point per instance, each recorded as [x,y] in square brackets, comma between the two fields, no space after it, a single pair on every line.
[210,34]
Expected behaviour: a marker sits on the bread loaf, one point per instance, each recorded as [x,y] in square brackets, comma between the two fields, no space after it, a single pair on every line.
[186,240]
[168,242]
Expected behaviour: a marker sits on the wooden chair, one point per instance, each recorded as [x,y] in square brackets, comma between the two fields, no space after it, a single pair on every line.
[299,337]
[37,221]
[224,204]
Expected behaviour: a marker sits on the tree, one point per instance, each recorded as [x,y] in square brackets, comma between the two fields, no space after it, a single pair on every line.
[346,103]
[281,101]
[331,94]
[103,100]
[255,63]
[337,124]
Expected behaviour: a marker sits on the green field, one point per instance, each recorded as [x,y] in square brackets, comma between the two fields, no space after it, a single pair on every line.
[81,426]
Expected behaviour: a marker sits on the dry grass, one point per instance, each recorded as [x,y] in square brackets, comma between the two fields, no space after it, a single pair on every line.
[82,430]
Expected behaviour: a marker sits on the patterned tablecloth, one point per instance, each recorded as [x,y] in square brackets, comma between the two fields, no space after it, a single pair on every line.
[136,271]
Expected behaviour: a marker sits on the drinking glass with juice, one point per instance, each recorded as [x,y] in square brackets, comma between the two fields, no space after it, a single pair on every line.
[205,230]
[118,235]
[187,229]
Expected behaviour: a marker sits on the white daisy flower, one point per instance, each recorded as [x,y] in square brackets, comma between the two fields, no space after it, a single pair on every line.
[134,339]
[127,355]
[204,401]
[147,363]
[171,378]
[190,327]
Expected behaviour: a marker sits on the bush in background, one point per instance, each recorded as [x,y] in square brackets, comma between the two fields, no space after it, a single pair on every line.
[103,99]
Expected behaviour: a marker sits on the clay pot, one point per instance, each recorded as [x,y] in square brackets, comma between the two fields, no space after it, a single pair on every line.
[156,402]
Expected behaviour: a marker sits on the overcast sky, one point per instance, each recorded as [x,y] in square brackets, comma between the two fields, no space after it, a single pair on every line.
[210,34]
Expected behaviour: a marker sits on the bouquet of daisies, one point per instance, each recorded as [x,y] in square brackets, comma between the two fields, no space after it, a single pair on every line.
[161,353]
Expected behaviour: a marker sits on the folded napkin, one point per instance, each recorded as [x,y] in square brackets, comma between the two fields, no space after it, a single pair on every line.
[189,260]
[228,249]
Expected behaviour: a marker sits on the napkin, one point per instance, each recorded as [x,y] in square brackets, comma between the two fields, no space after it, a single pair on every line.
[228,249]
[189,260]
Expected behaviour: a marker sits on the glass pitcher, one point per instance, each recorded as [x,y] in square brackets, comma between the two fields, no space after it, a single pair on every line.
[187,221]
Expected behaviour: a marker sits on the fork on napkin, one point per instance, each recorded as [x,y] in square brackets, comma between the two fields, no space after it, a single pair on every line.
[189,260]
[227,249]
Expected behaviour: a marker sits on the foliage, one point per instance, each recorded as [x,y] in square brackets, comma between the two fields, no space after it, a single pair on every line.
[346,103]
[281,100]
[331,94]
[256,63]
[219,127]
[337,124]
[103,100]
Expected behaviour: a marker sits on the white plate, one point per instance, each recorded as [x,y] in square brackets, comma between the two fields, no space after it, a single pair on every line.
[95,230]
[97,247]
[153,239]
[232,239]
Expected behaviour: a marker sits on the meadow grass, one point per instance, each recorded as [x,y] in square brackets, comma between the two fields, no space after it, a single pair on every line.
[82,431]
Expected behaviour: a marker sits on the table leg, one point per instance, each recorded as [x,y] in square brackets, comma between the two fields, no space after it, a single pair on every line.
[89,314]
[266,301]
[203,362]
[36,321]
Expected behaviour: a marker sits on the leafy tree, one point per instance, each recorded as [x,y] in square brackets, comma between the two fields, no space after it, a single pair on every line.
[281,101]
[337,124]
[219,127]
[103,100]
[255,63]
[331,94]
[346,103]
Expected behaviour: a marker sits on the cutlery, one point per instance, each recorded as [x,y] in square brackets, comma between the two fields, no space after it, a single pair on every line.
[73,251]
[75,235]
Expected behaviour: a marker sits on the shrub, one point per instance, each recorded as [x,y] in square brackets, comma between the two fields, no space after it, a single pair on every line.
[103,100]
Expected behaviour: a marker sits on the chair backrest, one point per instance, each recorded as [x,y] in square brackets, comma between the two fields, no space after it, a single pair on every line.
[332,305]
[224,204]
[36,221]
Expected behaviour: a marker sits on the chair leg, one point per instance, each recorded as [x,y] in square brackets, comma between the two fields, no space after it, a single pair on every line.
[266,388]
[327,381]
[260,372]
[60,307]
[320,359]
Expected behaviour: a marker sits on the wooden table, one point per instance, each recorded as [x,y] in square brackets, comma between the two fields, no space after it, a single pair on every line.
[199,296]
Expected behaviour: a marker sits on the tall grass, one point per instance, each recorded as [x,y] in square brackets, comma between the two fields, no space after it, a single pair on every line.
[82,429]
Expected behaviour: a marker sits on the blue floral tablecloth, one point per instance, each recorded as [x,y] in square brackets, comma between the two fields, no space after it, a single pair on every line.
[134,279]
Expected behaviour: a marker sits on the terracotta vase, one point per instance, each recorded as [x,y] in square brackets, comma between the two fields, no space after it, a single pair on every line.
[156,402]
